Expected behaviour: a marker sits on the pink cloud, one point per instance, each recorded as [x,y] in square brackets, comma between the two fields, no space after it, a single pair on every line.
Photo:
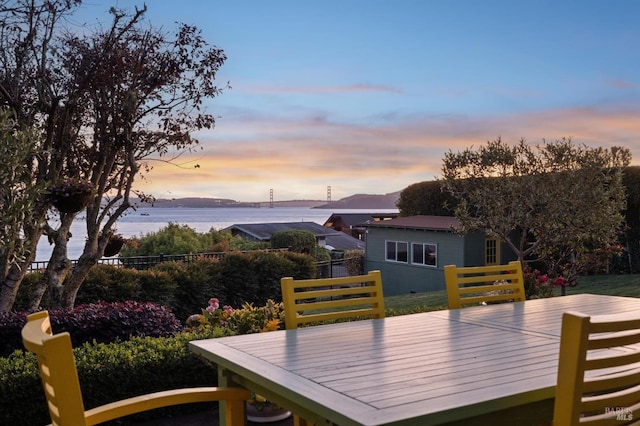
[303,156]
[623,84]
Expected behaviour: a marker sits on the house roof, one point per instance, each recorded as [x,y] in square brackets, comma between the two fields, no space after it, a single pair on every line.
[264,231]
[342,241]
[356,219]
[433,223]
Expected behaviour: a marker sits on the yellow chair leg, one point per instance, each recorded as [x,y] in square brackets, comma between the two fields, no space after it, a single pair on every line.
[235,413]
[299,421]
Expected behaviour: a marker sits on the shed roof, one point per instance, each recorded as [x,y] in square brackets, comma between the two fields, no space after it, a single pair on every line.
[434,223]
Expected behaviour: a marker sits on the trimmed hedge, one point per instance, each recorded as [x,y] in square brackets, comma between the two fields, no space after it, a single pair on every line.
[99,322]
[107,372]
[236,278]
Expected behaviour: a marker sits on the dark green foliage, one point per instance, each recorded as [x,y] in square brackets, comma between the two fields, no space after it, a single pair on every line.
[175,239]
[297,240]
[255,277]
[354,262]
[236,278]
[109,283]
[425,198]
[195,284]
[631,234]
[26,287]
[108,372]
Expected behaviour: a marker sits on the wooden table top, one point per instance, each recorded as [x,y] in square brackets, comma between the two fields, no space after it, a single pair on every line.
[426,368]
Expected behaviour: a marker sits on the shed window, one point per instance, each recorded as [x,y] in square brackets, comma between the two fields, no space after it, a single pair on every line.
[397,251]
[424,254]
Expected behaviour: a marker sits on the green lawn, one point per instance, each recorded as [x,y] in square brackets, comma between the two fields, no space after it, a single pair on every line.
[615,285]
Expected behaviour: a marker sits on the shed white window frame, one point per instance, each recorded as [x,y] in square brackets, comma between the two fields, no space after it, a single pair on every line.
[420,256]
[396,251]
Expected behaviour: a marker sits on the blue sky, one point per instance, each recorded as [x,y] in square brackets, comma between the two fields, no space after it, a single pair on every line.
[367,96]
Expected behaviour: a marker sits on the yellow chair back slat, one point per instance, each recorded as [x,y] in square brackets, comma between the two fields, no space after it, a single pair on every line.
[57,368]
[598,370]
[473,285]
[328,299]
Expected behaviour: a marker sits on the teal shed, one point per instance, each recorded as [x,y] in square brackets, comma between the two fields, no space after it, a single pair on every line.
[412,251]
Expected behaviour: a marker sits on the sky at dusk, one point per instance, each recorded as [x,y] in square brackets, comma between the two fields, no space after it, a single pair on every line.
[366,96]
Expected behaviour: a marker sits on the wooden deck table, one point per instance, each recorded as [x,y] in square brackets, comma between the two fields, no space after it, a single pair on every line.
[466,365]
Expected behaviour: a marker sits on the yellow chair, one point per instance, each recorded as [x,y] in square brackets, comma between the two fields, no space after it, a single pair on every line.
[59,376]
[473,285]
[327,299]
[598,370]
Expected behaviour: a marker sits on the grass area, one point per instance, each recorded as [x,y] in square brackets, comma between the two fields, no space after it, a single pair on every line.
[613,285]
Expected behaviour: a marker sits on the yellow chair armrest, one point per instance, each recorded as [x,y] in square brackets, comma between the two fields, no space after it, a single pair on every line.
[235,398]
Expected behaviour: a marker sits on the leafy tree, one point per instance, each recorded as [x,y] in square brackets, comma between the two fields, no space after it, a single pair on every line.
[106,103]
[18,193]
[558,202]
[425,198]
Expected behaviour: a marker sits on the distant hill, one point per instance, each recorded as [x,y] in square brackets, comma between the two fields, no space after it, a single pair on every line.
[358,201]
[365,201]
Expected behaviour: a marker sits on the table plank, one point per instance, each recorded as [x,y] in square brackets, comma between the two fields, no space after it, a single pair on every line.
[541,315]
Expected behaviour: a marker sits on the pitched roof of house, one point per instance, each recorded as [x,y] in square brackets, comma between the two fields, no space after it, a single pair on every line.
[434,223]
[355,219]
[264,231]
[342,241]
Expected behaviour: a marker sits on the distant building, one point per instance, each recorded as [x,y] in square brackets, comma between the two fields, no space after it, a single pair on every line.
[353,223]
[326,237]
[412,251]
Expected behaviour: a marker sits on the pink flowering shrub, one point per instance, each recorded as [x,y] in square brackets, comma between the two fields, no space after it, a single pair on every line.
[245,320]
[538,285]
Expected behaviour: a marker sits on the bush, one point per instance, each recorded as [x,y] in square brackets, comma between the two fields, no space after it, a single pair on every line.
[195,282]
[110,284]
[176,239]
[236,278]
[101,322]
[297,240]
[107,372]
[255,277]
[354,262]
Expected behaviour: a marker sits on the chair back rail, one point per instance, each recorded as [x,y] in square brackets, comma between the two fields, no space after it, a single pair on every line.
[325,299]
[57,368]
[472,285]
[599,370]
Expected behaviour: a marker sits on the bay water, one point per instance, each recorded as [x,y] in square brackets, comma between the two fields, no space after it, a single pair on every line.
[146,220]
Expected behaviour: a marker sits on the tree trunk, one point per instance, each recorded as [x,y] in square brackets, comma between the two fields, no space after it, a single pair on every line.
[57,269]
[76,278]
[11,283]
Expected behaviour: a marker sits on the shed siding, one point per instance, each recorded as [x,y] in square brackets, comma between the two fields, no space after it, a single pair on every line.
[403,278]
